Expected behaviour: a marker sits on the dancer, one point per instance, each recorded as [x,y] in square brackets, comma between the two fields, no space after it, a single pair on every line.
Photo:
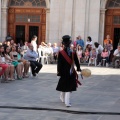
[68,77]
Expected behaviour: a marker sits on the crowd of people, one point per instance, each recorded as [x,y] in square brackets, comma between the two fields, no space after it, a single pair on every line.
[17,58]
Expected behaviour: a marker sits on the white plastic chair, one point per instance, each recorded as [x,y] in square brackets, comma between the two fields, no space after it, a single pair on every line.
[94,62]
[42,57]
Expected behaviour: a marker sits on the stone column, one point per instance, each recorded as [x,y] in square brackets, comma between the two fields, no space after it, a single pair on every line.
[94,19]
[0,21]
[47,24]
[102,26]
[79,18]
[4,23]
[87,20]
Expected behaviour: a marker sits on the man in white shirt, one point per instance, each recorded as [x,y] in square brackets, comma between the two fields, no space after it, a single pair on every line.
[116,55]
[33,42]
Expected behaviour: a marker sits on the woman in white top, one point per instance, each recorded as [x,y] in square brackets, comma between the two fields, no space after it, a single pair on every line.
[89,41]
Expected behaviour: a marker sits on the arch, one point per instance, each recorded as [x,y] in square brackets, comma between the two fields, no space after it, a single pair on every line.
[5,3]
[103,4]
[28,3]
[113,4]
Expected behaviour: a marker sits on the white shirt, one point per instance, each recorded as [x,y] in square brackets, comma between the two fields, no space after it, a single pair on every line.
[49,50]
[99,49]
[34,45]
[116,53]
[88,42]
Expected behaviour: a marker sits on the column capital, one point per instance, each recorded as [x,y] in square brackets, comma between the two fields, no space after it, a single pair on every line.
[102,11]
[47,10]
[4,9]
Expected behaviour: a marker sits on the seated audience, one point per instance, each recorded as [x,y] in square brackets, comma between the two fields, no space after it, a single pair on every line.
[93,56]
[5,67]
[79,52]
[18,65]
[105,55]
[55,51]
[26,63]
[31,55]
[116,55]
[87,55]
[9,61]
[99,50]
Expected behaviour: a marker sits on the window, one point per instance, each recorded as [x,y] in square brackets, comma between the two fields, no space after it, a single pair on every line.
[28,18]
[113,4]
[28,3]
[116,20]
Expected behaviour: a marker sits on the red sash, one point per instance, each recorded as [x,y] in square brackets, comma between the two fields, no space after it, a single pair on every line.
[67,58]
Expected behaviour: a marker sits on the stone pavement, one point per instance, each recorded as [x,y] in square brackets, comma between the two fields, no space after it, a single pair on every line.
[99,93]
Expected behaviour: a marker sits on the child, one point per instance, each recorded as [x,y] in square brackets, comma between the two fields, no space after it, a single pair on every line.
[93,56]
[105,55]
[87,55]
[79,52]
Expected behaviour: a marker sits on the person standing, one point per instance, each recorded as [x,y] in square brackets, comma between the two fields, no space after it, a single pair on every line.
[65,69]
[33,42]
[80,42]
[99,50]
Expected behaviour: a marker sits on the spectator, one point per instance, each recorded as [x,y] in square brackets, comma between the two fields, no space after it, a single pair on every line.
[5,67]
[75,42]
[33,42]
[9,61]
[107,40]
[17,65]
[93,56]
[109,47]
[50,52]
[116,55]
[79,52]
[26,63]
[99,50]
[25,47]
[80,42]
[31,55]
[87,55]
[12,42]
[89,41]
[105,55]
[55,51]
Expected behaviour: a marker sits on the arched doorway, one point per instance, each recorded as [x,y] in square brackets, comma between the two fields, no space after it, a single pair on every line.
[27,18]
[112,22]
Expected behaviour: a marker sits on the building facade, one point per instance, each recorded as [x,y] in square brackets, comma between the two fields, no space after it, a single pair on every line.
[51,19]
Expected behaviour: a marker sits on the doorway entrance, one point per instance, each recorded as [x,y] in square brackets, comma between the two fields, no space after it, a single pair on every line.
[33,30]
[116,36]
[29,30]
[23,23]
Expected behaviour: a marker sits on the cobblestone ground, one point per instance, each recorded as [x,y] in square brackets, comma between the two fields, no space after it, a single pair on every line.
[99,93]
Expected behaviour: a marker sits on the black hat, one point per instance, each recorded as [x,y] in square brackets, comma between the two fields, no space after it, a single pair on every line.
[66,39]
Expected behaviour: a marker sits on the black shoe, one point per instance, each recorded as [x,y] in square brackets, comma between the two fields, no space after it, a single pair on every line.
[34,74]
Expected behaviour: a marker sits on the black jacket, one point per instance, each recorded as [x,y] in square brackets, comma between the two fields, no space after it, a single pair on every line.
[67,82]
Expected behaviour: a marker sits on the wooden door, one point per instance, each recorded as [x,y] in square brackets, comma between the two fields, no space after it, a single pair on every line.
[112,25]
[33,18]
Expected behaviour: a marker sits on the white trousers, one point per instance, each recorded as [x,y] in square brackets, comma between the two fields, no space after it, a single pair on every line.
[65,97]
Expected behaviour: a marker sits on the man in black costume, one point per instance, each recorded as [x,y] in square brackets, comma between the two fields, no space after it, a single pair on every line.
[65,69]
